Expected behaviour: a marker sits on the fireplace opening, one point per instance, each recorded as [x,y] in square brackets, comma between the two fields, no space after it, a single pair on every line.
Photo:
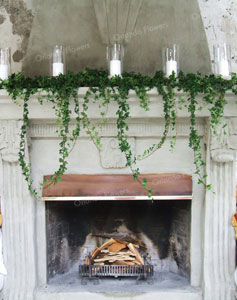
[74,228]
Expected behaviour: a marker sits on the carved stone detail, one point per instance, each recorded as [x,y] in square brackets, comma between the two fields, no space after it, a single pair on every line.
[223,155]
[139,128]
[220,205]
[9,140]
[224,144]
[116,19]
[111,156]
[19,218]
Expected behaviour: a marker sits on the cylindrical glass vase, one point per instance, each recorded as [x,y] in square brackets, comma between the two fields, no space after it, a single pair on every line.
[170,57]
[115,55]
[222,60]
[58,61]
[5,63]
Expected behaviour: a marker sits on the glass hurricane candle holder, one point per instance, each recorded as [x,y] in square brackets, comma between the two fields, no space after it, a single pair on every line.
[222,60]
[5,63]
[115,54]
[170,57]
[58,61]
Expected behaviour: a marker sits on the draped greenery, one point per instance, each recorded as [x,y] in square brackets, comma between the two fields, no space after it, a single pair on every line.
[62,92]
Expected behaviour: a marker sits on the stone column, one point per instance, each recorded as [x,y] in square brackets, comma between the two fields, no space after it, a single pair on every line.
[219,237]
[18,218]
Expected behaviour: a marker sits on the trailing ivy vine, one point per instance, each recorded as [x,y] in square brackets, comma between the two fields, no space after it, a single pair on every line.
[62,93]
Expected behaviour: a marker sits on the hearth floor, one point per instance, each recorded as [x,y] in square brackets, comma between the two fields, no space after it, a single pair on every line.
[71,282]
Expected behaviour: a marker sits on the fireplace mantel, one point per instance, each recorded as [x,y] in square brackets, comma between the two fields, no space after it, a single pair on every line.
[212,249]
[101,187]
[9,110]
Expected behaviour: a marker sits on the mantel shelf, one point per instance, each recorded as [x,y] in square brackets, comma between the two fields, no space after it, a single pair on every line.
[9,110]
[119,187]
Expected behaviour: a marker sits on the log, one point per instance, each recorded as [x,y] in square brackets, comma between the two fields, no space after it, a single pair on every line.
[123,262]
[116,247]
[121,259]
[121,241]
[120,237]
[128,252]
[112,259]
[135,251]
[95,253]
[116,250]
[105,251]
[107,244]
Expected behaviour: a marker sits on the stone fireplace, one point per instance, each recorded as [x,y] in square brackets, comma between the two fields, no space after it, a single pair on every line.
[72,232]
[191,240]
[75,228]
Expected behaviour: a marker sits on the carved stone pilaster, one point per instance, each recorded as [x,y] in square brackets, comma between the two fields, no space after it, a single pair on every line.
[224,143]
[9,140]
[111,156]
[219,237]
[18,218]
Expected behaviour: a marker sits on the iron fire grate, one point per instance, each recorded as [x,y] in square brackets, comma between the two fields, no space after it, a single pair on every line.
[140,271]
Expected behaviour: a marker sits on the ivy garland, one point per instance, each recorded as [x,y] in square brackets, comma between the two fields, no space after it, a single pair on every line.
[62,91]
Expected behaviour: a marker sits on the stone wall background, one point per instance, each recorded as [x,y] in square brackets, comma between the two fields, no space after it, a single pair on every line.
[220,23]
[30,27]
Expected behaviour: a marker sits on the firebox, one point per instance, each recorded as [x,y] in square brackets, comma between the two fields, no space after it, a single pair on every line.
[74,228]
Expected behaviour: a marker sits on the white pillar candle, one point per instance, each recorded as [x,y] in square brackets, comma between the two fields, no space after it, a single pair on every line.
[115,67]
[4,71]
[171,65]
[223,67]
[57,68]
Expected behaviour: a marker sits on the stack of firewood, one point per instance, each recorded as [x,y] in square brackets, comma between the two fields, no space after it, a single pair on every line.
[116,252]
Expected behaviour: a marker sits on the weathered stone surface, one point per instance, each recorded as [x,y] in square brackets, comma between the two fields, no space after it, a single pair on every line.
[2,19]
[212,236]
[219,19]
[15,28]
[33,27]
[224,143]
[18,211]
[9,140]
[152,24]
[220,205]
[116,19]
[111,156]
[18,55]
